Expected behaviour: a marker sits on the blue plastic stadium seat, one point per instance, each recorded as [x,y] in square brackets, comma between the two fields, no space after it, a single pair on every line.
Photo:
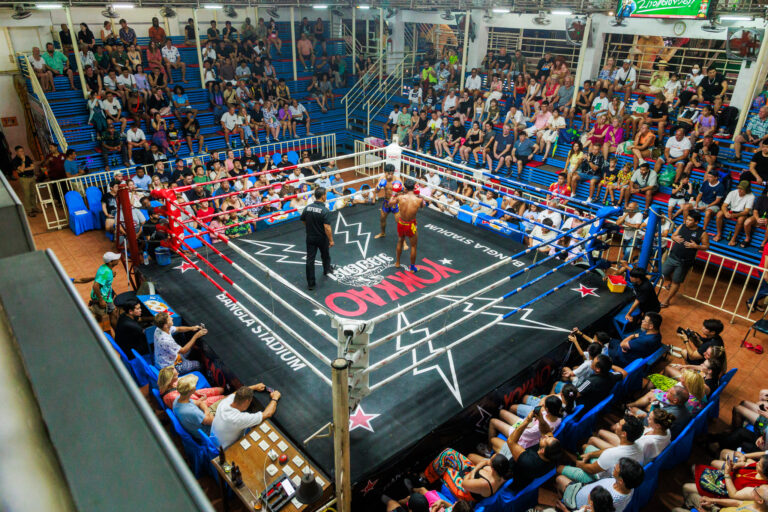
[277,158]
[582,429]
[621,323]
[714,397]
[93,196]
[196,452]
[466,214]
[293,157]
[80,217]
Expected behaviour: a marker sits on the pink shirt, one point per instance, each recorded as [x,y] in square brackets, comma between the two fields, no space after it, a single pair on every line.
[615,136]
[531,434]
[541,120]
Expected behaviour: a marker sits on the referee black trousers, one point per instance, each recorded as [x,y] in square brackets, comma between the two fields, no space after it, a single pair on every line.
[312,247]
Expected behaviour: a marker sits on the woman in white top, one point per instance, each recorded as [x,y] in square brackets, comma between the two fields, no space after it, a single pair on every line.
[655,438]
[616,108]
[531,96]
[495,87]
[42,71]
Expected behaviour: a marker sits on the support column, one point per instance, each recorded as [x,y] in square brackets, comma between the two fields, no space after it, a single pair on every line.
[9,42]
[75,48]
[354,38]
[293,44]
[199,50]
[758,77]
[167,27]
[381,46]
[580,65]
[464,50]
[341,434]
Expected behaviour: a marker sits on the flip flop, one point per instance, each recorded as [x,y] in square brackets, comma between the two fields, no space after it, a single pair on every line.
[663,305]
[758,349]
[748,345]
[745,243]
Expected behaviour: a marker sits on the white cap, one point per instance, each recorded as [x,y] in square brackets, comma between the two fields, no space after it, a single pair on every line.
[111,256]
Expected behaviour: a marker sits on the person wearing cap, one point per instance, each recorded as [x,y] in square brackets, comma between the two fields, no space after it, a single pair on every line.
[626,79]
[687,240]
[102,296]
[737,206]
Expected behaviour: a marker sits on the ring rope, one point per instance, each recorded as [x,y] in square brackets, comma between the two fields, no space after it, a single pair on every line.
[249,313]
[507,194]
[392,312]
[471,296]
[471,315]
[264,309]
[459,341]
[492,176]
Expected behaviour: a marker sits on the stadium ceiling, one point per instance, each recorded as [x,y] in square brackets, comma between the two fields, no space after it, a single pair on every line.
[750,7]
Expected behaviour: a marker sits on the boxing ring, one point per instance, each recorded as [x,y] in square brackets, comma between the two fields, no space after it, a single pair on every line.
[414,348]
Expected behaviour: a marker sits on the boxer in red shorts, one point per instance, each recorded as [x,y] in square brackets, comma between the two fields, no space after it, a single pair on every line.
[408,203]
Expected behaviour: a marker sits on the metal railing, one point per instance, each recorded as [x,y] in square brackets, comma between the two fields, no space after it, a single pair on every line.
[704,52]
[721,282]
[358,94]
[349,40]
[538,41]
[50,194]
[40,95]
[392,84]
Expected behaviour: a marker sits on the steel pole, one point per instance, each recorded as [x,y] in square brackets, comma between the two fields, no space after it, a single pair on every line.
[340,389]
[75,48]
[464,51]
[293,44]
[758,77]
[381,46]
[199,50]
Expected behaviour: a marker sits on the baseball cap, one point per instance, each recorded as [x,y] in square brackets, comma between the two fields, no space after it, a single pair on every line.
[628,61]
[111,256]
[744,185]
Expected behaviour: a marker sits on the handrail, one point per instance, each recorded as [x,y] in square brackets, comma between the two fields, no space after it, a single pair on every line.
[40,95]
[349,37]
[385,93]
[360,91]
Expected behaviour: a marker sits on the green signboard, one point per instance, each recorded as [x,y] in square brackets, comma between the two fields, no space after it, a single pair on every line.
[687,9]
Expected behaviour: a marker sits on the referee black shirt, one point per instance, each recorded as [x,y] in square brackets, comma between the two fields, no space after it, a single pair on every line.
[316,216]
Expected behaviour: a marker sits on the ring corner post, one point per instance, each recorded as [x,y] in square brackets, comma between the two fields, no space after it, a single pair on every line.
[341,441]
[651,228]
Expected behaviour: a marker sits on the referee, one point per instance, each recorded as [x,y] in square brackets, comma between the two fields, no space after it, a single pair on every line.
[317,219]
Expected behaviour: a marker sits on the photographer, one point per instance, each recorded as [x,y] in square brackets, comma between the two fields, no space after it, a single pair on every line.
[695,344]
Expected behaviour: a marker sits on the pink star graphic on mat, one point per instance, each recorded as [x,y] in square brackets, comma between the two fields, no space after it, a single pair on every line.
[369,487]
[585,290]
[185,266]
[361,420]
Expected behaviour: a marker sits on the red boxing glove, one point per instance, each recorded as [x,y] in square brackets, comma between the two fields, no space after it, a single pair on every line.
[397,187]
[416,189]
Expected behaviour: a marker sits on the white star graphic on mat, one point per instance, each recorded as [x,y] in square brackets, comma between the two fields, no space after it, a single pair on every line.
[585,290]
[284,253]
[445,261]
[448,374]
[319,312]
[519,320]
[185,266]
[359,419]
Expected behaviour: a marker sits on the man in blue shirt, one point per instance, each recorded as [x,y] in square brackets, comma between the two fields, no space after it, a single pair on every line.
[522,153]
[638,345]
[192,415]
[501,150]
[710,197]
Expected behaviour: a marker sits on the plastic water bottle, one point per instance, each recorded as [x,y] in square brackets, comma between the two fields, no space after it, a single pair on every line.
[145,257]
[93,136]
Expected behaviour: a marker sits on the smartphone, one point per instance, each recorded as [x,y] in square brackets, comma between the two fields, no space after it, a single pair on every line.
[536,410]
[202,326]
[268,389]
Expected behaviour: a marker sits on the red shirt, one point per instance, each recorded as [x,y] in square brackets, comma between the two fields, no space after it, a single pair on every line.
[203,214]
[56,167]
[563,190]
[157,34]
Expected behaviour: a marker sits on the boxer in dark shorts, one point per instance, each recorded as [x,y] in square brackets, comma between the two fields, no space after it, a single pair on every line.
[391,188]
[409,204]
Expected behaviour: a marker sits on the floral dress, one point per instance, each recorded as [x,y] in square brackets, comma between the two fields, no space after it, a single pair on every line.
[270,117]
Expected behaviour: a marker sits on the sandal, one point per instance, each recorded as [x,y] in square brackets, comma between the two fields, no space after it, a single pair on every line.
[747,345]
[663,305]
[745,243]
[757,349]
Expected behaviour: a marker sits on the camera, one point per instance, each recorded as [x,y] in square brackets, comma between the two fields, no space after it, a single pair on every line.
[688,333]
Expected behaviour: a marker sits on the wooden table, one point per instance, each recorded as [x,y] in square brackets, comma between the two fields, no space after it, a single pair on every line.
[253,460]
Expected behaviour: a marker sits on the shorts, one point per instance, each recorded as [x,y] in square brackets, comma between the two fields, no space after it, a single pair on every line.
[386,208]
[100,312]
[531,131]
[713,208]
[525,409]
[588,177]
[675,202]
[679,162]
[569,494]
[675,269]
[523,159]
[578,474]
[406,228]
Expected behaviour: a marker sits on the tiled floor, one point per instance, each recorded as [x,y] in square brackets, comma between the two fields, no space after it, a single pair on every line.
[81,256]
